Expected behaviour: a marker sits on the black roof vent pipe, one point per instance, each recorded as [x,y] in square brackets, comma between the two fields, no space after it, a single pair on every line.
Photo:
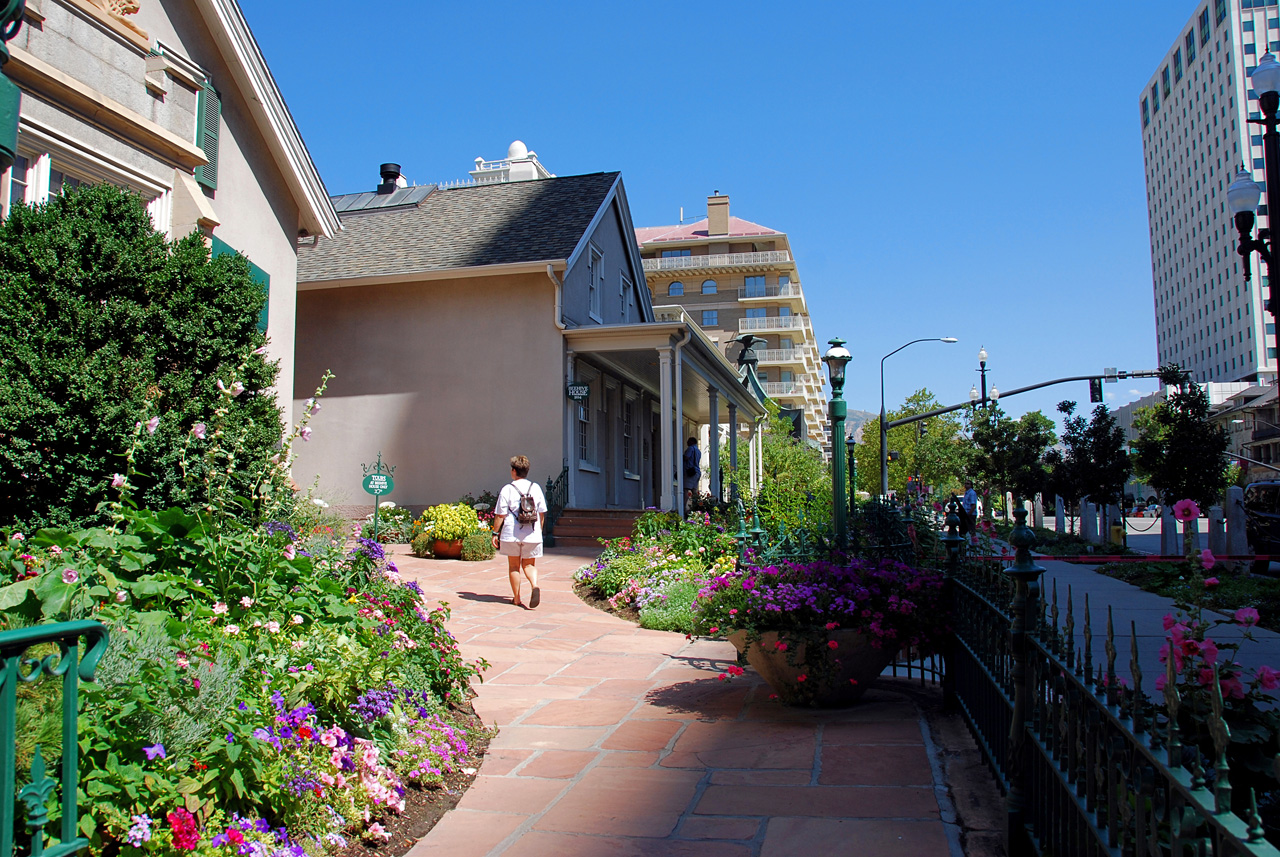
[390,178]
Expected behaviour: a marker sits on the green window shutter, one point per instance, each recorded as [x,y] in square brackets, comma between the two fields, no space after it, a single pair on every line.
[208,123]
[258,275]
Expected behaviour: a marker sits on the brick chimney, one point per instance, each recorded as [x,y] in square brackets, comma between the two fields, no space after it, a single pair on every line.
[717,214]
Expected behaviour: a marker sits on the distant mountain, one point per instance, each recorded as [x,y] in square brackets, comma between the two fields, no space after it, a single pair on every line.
[854,422]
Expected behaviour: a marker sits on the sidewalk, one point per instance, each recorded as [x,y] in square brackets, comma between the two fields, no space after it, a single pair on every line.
[620,741]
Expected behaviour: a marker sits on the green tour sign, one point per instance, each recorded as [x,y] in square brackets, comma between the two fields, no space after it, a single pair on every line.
[378,484]
[578,392]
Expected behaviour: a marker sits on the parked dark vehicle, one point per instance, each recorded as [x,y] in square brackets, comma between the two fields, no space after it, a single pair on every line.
[1262,521]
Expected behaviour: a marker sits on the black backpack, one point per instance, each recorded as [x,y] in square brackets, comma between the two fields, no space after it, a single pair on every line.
[527,508]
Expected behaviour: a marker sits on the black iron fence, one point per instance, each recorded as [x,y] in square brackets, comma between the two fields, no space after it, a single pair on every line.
[1088,766]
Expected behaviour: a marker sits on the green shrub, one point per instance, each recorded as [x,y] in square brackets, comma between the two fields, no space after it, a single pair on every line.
[103,323]
[422,545]
[448,521]
[477,547]
[673,613]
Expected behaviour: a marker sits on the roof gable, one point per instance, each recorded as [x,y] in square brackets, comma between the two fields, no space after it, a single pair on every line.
[236,43]
[463,227]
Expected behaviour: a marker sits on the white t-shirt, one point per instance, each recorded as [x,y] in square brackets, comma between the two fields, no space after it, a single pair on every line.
[509,504]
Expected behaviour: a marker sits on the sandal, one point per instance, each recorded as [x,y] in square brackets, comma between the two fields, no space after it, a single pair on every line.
[535,598]
[516,602]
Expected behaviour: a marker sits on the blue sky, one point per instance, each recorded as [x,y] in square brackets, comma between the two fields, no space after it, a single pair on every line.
[942,169]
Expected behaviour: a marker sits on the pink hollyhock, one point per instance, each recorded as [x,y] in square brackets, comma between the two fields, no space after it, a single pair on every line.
[1247,616]
[1210,582]
[1160,682]
[832,644]
[152,425]
[305,432]
[1207,560]
[198,431]
[1268,678]
[1232,688]
[801,677]
[1205,677]
[1169,621]
[70,576]
[117,481]
[1186,510]
[1209,651]
[290,552]
[831,626]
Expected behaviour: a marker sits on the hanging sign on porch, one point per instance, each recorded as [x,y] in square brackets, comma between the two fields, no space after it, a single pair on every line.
[580,393]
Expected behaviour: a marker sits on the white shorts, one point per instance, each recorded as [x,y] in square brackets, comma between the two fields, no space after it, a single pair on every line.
[528,550]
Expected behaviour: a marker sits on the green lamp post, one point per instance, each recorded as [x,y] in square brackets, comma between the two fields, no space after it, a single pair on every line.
[11,12]
[837,358]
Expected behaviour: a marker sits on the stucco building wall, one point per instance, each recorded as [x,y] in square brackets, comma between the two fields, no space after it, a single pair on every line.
[447,378]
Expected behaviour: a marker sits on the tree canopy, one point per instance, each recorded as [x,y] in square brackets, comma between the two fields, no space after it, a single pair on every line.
[102,320]
[939,454]
[1010,453]
[1179,452]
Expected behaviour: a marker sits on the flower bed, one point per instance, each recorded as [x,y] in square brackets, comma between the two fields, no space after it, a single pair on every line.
[655,574]
[269,690]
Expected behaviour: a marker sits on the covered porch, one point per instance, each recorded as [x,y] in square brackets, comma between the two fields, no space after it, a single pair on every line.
[648,388]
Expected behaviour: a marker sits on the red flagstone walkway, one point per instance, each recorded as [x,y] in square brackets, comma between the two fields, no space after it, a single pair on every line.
[616,741]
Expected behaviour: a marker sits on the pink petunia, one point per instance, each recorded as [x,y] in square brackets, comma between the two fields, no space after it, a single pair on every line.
[1186,510]
[70,576]
[290,551]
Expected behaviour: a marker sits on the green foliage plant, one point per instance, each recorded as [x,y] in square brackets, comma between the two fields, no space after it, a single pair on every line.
[941,455]
[477,547]
[102,318]
[1178,451]
[449,522]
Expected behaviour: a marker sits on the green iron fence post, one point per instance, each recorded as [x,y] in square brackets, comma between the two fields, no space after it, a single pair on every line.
[1026,575]
[73,669]
[954,543]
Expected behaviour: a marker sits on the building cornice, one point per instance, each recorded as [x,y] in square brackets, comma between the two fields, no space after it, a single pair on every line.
[433,275]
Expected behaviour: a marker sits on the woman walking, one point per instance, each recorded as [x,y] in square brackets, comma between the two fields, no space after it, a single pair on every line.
[517,529]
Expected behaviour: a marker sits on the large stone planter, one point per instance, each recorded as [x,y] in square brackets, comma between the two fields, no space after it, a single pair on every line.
[834,678]
[447,550]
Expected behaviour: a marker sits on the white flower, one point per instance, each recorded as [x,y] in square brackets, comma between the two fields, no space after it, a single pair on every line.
[296,620]
[231,630]
[386,504]
[246,602]
[305,432]
[297,645]
[236,389]
[273,626]
[122,596]
[198,430]
[117,481]
[17,537]
[257,623]
[313,406]
[261,349]
[55,550]
[152,425]
[322,504]
[219,608]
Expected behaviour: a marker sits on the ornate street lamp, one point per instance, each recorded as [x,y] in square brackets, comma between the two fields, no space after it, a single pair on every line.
[10,97]
[850,446]
[982,370]
[884,430]
[1243,193]
[837,358]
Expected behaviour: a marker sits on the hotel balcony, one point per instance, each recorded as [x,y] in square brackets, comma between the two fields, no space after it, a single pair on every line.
[773,323]
[783,388]
[762,260]
[757,293]
[782,356]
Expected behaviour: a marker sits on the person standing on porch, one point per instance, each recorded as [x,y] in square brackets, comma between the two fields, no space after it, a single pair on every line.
[520,541]
[692,467]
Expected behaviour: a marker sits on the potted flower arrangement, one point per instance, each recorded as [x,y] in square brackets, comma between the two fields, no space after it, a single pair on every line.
[447,525]
[820,632]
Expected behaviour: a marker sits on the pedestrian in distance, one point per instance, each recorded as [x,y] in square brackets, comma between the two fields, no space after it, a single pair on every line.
[969,507]
[692,467]
[518,517]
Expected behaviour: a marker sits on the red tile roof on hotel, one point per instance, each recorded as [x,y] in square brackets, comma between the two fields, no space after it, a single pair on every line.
[738,228]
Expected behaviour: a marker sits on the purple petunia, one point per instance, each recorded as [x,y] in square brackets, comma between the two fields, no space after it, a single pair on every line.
[155,751]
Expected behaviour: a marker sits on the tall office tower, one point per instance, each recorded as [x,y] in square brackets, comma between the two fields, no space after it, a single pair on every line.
[733,276]
[1195,136]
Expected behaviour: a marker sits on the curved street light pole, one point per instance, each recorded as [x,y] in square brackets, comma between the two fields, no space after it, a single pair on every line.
[884,429]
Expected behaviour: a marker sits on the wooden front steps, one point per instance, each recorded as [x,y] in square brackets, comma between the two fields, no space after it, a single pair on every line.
[585,527]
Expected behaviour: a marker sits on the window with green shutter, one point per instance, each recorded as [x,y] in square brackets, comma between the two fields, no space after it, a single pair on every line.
[257,274]
[208,123]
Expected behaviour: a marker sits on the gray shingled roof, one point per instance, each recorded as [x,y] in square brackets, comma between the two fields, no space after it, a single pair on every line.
[487,224]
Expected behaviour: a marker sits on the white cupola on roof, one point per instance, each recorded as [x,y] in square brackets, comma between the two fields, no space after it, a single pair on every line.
[520,165]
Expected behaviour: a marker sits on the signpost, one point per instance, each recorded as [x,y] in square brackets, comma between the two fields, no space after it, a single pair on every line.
[378,482]
[580,393]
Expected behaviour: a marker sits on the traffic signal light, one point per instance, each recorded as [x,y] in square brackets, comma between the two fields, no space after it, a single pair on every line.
[1095,389]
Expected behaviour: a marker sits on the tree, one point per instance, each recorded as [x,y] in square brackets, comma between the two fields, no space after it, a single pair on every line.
[1065,465]
[1010,453]
[1093,463]
[101,321]
[939,453]
[1179,452]
[796,480]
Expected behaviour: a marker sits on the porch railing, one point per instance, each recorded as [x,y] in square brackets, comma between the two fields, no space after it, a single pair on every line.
[557,499]
[73,667]
[716,260]
[1088,766]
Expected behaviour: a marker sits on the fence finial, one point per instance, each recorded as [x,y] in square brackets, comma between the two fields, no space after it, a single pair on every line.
[1221,735]
[1136,671]
[1172,702]
[1109,683]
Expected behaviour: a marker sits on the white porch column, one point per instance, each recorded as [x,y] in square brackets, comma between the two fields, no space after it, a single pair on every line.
[666,461]
[570,433]
[678,422]
[713,466]
[733,451]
